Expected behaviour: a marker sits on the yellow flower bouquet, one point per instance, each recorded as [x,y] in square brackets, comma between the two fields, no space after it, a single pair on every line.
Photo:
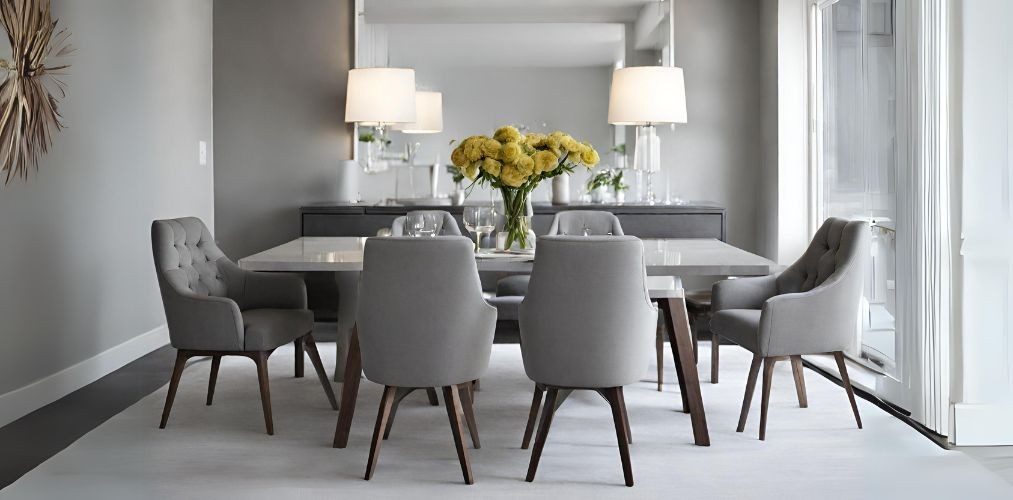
[515,163]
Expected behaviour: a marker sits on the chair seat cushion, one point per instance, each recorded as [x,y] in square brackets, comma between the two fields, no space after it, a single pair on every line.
[506,307]
[741,326]
[513,286]
[266,329]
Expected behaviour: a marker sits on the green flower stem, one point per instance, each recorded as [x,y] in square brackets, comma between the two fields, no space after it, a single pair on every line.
[515,202]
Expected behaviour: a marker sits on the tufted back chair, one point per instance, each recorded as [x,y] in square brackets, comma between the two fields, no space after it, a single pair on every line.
[595,222]
[187,257]
[832,248]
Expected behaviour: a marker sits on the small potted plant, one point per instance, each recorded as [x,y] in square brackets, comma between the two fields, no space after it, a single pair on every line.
[600,183]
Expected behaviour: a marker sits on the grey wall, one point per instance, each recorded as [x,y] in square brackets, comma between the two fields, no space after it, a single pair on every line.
[766,213]
[77,270]
[478,100]
[279,88]
[716,156]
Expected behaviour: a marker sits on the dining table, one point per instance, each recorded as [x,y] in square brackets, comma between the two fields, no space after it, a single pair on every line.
[676,257]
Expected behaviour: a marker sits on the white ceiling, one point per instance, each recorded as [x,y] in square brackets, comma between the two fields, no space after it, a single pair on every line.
[502,11]
[505,45]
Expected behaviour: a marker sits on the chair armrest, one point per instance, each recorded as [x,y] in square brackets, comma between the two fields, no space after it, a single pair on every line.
[743,293]
[821,320]
[200,322]
[261,290]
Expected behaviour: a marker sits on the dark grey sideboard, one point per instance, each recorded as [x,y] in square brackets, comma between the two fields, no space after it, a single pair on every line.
[693,220]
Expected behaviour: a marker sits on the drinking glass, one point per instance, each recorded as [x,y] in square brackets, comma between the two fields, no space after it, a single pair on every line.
[418,225]
[479,220]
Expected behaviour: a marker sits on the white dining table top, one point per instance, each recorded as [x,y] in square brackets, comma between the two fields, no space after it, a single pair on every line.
[664,257]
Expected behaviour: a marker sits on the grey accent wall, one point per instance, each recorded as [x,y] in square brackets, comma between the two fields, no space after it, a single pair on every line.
[766,213]
[76,259]
[716,156]
[279,88]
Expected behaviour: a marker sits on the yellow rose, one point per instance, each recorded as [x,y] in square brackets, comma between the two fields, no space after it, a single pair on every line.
[558,134]
[491,167]
[552,142]
[510,152]
[545,161]
[511,176]
[534,140]
[507,134]
[526,165]
[589,156]
[490,148]
[471,171]
[458,158]
[472,151]
[570,144]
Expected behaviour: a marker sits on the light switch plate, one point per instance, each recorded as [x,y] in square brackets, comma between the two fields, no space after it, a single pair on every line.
[202,154]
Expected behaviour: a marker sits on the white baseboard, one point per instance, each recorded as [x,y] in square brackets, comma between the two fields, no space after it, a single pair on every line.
[20,402]
[983,424]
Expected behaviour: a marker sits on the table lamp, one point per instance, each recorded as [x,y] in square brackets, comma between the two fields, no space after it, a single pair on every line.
[380,97]
[428,120]
[646,96]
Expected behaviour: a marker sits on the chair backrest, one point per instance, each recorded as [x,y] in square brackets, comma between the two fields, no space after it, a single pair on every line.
[446,225]
[187,257]
[594,222]
[837,244]
[421,318]
[587,320]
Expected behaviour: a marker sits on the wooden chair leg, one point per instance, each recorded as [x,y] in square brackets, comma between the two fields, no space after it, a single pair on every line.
[626,419]
[300,358]
[216,362]
[615,399]
[431,393]
[529,429]
[715,354]
[386,401]
[543,432]
[839,357]
[453,402]
[659,347]
[696,340]
[468,405]
[318,365]
[399,394]
[476,385]
[796,370]
[754,371]
[177,371]
[768,374]
[260,358]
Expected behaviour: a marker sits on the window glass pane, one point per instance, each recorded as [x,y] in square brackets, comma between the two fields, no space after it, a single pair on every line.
[857,145]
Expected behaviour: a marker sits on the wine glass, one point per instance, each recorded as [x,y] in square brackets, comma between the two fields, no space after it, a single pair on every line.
[414,224]
[470,218]
[479,220]
[486,221]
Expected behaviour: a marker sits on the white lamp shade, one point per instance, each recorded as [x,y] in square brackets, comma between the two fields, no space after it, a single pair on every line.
[428,114]
[647,95]
[380,96]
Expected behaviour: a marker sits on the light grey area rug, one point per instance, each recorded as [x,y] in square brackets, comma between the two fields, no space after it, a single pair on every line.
[223,452]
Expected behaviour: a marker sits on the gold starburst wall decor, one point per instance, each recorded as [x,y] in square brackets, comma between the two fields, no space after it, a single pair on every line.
[32,88]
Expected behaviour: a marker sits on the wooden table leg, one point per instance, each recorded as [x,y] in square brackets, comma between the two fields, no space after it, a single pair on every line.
[349,392]
[681,341]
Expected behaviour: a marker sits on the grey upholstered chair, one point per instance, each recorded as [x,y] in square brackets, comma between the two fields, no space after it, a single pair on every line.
[586,323]
[446,225]
[809,308]
[413,338]
[585,223]
[568,222]
[216,309]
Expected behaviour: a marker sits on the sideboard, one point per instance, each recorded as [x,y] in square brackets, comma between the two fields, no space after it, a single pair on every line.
[692,220]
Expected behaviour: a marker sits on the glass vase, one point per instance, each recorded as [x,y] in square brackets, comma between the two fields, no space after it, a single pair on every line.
[517,232]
